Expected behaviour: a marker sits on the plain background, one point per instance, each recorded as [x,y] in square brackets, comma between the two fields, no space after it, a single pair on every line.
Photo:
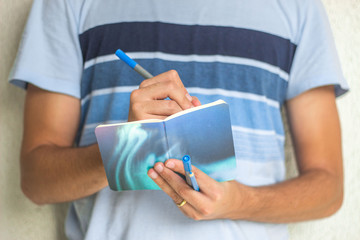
[21,219]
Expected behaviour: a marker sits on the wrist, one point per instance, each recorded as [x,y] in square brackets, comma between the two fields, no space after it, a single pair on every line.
[244,201]
[98,167]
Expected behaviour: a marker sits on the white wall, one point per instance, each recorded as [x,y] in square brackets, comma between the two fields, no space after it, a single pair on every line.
[344,17]
[20,219]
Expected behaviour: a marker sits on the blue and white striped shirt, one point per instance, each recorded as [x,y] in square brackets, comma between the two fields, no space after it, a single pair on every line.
[253,54]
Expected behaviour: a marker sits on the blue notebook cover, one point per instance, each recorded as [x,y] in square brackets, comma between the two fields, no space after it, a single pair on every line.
[129,150]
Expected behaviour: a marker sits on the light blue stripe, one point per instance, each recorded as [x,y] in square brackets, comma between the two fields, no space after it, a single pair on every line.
[106,108]
[256,114]
[253,173]
[237,14]
[258,148]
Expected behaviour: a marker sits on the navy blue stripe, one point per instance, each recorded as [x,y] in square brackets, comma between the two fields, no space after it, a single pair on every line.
[232,77]
[187,39]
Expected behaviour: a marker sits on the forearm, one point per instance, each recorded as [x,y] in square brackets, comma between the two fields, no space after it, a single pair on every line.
[314,194]
[51,174]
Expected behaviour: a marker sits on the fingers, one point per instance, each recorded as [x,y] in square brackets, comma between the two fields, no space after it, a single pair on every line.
[206,183]
[195,101]
[166,85]
[162,90]
[173,184]
[176,187]
[159,109]
[171,75]
[187,208]
[213,201]
[165,186]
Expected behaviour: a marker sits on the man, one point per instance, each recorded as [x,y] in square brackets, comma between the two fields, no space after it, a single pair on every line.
[258,56]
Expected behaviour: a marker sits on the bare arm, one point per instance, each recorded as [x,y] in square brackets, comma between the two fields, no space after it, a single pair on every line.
[317,192]
[51,169]
[54,171]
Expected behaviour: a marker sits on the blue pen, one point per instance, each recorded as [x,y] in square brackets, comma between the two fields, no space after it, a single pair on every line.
[134,65]
[190,177]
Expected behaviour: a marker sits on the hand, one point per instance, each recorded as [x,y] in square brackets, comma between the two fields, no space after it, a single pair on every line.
[148,101]
[215,200]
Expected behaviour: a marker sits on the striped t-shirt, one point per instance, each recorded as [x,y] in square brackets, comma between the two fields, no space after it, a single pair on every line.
[255,55]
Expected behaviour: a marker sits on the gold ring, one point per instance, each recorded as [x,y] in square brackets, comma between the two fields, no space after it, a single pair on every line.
[182,203]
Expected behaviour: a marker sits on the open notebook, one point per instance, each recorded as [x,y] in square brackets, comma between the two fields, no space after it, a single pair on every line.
[130,149]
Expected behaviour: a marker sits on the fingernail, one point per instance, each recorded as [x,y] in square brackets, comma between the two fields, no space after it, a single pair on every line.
[153,175]
[169,164]
[188,97]
[159,168]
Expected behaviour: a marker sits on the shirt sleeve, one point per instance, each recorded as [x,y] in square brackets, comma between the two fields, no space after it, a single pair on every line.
[316,62]
[49,55]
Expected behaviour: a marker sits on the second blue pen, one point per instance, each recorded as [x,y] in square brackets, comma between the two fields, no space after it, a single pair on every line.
[189,175]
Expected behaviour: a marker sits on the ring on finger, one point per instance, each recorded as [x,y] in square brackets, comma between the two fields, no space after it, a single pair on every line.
[182,203]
